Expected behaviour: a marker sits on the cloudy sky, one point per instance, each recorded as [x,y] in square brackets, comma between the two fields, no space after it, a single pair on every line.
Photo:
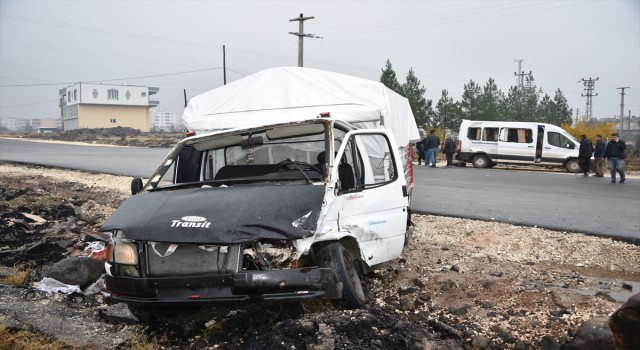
[176,45]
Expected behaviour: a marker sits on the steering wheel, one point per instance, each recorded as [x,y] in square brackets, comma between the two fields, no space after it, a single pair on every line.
[287,162]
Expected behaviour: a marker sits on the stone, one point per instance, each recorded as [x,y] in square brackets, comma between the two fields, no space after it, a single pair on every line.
[79,271]
[625,323]
[594,334]
[419,283]
[549,343]
[480,342]
[407,290]
[458,309]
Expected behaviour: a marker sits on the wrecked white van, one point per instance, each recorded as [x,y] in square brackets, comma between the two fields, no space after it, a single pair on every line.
[278,208]
[486,143]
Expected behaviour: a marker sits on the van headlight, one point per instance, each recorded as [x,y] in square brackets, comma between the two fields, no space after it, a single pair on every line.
[125,253]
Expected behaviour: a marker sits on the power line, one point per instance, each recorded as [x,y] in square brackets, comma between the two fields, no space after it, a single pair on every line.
[30,104]
[130,78]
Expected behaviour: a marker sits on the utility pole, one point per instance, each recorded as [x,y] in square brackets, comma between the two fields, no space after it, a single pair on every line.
[622,108]
[301,35]
[520,73]
[224,65]
[588,87]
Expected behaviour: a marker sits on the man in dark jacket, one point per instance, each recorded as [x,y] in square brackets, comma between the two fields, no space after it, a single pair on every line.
[431,144]
[598,155]
[615,153]
[420,149]
[584,154]
[449,149]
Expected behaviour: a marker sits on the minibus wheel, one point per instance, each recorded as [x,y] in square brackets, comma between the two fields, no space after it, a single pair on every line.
[480,161]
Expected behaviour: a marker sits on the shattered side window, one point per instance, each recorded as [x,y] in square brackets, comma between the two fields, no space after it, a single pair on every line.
[473,133]
[490,134]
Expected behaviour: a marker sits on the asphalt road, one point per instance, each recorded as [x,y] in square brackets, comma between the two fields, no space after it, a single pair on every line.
[129,161]
[558,201]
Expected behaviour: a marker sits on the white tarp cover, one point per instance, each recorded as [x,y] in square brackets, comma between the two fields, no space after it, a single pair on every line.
[294,94]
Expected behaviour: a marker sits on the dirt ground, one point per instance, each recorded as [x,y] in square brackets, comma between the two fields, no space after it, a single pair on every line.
[460,283]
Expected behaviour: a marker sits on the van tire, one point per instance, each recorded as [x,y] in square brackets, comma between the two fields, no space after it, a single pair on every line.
[343,267]
[572,166]
[480,161]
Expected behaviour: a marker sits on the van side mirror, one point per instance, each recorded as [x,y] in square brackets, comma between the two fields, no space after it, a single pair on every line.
[136,185]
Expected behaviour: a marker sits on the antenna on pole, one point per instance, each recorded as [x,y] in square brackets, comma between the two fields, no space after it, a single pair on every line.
[520,73]
[301,35]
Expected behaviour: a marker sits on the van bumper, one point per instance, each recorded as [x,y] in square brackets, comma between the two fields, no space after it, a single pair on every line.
[276,285]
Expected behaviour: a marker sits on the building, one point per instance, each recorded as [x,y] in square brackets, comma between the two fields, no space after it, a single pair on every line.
[165,121]
[631,127]
[16,124]
[46,123]
[85,105]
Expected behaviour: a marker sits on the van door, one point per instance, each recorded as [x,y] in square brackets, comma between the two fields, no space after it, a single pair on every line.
[558,148]
[517,145]
[373,203]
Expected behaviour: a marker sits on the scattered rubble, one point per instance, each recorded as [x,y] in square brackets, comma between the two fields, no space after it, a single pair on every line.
[460,284]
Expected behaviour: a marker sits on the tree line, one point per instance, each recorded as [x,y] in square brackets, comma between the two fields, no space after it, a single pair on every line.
[524,104]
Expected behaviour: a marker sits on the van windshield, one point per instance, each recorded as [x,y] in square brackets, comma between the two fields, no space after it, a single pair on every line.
[286,153]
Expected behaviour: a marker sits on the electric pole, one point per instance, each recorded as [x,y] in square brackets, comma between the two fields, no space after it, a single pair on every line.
[301,35]
[588,88]
[622,108]
[520,73]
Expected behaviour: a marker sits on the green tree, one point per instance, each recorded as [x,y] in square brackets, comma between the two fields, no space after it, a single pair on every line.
[389,78]
[470,103]
[448,113]
[414,92]
[489,100]
[563,112]
[546,111]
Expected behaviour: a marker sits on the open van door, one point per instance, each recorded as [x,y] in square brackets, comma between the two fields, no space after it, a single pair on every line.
[371,194]
[517,144]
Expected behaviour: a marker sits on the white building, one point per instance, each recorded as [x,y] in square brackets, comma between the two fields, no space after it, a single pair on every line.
[87,105]
[16,124]
[164,120]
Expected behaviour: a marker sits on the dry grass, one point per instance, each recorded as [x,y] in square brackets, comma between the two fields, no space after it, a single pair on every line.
[20,277]
[25,340]
[139,339]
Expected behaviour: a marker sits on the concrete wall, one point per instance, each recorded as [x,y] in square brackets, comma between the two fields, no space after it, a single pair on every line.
[109,116]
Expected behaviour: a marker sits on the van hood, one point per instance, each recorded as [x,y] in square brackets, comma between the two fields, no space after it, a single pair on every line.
[220,215]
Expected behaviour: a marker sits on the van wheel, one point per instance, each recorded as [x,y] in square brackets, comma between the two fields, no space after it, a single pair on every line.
[341,262]
[480,161]
[573,166]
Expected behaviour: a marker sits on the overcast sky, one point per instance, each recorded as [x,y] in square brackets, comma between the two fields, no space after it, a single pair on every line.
[176,45]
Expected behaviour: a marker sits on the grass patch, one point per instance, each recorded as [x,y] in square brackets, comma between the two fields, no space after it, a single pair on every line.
[20,275]
[139,339]
[25,340]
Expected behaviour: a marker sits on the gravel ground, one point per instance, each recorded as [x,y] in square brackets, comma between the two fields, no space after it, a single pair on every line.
[460,283]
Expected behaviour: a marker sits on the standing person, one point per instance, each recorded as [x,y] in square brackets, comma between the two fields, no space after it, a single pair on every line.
[420,148]
[598,155]
[584,154]
[449,149]
[431,145]
[615,153]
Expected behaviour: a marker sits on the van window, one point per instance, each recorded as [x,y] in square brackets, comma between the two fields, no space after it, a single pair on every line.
[518,135]
[473,133]
[490,134]
[368,164]
[558,140]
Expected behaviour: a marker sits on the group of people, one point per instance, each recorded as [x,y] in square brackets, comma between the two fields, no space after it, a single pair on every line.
[613,151]
[428,149]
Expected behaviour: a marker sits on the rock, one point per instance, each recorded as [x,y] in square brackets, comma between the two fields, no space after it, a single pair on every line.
[419,283]
[455,268]
[521,346]
[605,296]
[594,335]
[549,343]
[503,334]
[458,309]
[625,323]
[77,271]
[449,284]
[407,290]
[407,303]
[480,342]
